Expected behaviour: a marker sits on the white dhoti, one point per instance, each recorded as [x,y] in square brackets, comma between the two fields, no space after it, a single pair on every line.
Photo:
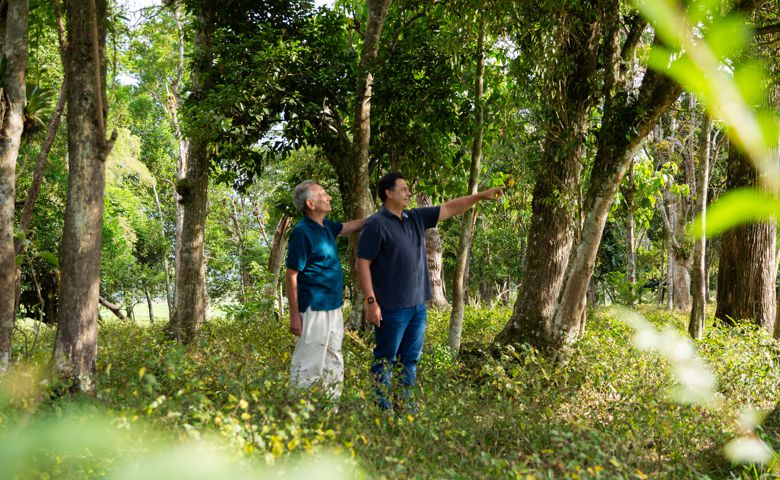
[317,356]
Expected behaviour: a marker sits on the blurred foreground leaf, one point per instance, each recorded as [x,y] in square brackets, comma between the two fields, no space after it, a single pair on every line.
[737,207]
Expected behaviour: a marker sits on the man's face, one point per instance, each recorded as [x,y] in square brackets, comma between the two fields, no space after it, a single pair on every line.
[400,194]
[319,201]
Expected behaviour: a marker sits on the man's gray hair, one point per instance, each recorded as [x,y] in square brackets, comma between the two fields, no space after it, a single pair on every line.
[302,193]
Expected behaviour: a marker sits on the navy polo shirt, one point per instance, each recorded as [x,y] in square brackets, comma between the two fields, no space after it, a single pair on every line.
[396,248]
[312,252]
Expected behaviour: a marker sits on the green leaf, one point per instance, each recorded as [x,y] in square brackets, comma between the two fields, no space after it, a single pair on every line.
[664,16]
[738,207]
[49,257]
[750,81]
[728,36]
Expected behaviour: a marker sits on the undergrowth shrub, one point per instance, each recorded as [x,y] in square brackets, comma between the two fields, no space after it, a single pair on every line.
[605,413]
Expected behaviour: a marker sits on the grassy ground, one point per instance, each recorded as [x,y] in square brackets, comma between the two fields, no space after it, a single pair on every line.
[606,413]
[160,309]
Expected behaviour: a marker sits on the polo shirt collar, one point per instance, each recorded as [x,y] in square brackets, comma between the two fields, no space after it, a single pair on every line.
[390,214]
[311,222]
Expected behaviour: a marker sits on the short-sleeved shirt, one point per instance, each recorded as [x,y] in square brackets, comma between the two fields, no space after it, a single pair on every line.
[313,253]
[396,248]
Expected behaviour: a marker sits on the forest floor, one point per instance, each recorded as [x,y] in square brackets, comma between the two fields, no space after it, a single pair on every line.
[224,409]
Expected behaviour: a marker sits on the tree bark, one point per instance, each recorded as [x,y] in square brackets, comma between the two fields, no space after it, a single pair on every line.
[622,132]
[469,220]
[353,170]
[149,304]
[433,250]
[746,278]
[190,299]
[777,316]
[243,272]
[75,348]
[628,195]
[166,267]
[15,21]
[696,324]
[171,105]
[552,223]
[276,255]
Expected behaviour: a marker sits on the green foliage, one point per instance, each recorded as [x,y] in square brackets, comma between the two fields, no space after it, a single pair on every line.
[604,414]
[737,207]
[736,95]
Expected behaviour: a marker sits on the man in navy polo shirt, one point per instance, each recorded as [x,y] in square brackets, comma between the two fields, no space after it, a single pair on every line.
[314,291]
[393,271]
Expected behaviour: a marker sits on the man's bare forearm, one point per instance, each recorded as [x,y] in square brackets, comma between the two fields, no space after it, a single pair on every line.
[363,268]
[351,227]
[291,280]
[459,205]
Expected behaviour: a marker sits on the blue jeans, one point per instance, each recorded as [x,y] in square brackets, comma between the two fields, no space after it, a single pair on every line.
[399,339]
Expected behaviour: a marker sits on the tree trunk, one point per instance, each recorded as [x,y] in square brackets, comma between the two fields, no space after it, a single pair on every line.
[777,316]
[669,276]
[623,130]
[190,299]
[276,255]
[628,195]
[166,267]
[696,324]
[552,222]
[15,21]
[243,272]
[661,279]
[433,250]
[353,171]
[746,278]
[171,104]
[75,348]
[469,220]
[149,304]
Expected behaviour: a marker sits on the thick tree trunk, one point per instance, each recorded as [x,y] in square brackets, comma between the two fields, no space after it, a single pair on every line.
[190,299]
[433,250]
[276,256]
[15,21]
[696,324]
[746,278]
[469,220]
[353,173]
[550,233]
[623,130]
[75,348]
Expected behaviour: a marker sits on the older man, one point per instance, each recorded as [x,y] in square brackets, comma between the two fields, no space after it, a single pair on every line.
[314,290]
[393,271]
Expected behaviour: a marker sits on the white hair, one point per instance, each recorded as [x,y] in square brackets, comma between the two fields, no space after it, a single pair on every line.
[302,193]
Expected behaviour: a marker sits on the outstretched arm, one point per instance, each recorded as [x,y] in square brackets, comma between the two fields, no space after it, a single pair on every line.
[459,205]
[351,227]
